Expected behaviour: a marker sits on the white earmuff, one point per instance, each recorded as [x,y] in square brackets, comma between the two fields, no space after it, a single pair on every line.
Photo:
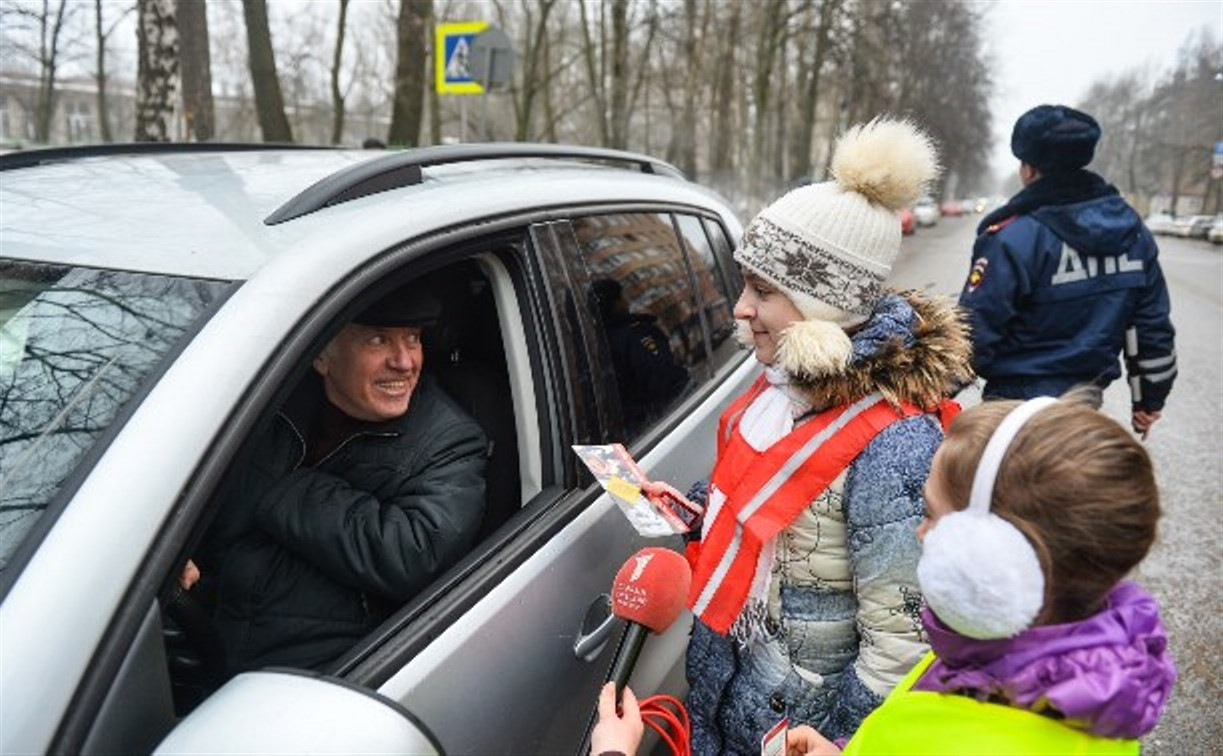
[977,572]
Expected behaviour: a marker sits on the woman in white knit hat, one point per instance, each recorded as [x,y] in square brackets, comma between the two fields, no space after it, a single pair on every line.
[804,580]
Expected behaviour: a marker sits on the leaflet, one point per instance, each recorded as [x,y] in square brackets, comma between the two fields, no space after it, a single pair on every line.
[618,473]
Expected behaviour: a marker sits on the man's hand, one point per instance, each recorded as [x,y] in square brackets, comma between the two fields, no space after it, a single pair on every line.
[189,576]
[805,741]
[617,733]
[1142,421]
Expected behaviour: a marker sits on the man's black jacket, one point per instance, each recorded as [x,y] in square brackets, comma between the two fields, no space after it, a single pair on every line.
[303,561]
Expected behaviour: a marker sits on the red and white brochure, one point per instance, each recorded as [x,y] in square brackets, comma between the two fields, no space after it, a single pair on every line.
[652,517]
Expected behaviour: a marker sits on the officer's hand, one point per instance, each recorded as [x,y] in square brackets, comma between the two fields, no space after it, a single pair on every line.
[1143,420]
[189,576]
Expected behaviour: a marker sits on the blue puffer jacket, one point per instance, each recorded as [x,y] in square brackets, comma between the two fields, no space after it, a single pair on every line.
[1064,278]
[842,620]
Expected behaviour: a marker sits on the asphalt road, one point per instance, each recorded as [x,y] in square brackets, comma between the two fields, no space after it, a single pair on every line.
[1184,570]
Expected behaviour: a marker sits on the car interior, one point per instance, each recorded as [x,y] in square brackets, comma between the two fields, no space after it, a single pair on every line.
[465,351]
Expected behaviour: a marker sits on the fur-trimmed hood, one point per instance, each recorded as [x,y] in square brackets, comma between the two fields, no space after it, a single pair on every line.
[914,348]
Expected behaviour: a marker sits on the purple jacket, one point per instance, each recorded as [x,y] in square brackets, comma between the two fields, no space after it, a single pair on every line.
[1109,674]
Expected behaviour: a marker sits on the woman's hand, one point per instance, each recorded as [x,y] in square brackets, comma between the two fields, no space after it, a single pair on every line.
[805,741]
[617,732]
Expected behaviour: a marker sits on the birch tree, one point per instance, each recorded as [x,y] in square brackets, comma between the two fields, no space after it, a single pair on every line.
[157,69]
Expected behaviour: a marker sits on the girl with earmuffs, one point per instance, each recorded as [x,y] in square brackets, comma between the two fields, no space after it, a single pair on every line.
[1035,513]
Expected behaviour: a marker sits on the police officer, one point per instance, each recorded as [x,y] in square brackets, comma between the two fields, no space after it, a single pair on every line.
[647,373]
[1065,276]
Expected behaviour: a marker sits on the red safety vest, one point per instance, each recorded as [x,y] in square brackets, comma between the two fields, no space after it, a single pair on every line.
[766,490]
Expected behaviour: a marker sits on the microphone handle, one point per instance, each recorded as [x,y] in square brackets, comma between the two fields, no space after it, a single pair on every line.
[626,657]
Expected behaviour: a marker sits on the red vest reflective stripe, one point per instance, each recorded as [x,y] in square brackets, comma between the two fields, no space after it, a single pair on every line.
[765,492]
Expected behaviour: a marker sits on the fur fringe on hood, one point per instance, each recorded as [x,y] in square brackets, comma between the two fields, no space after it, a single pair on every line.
[914,348]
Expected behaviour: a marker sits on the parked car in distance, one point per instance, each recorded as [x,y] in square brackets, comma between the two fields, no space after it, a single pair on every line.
[1193,226]
[159,303]
[1215,234]
[908,222]
[951,208]
[1161,223]
[925,212]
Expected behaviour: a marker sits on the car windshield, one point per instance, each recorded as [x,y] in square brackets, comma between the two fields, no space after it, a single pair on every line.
[75,346]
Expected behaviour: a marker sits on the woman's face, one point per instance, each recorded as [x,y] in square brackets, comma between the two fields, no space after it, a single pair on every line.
[937,503]
[767,312]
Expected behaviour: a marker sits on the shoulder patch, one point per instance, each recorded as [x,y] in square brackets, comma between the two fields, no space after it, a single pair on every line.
[977,276]
[996,227]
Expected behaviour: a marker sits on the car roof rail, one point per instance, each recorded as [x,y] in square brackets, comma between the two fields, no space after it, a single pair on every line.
[401,169]
[31,158]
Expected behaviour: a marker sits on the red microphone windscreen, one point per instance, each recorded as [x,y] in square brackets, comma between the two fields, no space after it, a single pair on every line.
[651,588]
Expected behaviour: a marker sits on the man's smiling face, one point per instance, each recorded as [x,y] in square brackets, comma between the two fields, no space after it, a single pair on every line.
[370,372]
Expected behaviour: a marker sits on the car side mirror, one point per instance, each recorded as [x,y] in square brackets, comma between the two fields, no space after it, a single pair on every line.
[285,711]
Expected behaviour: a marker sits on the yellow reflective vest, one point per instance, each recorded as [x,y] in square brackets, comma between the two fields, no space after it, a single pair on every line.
[923,722]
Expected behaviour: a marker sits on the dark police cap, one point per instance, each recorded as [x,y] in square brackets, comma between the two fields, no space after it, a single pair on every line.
[1055,138]
[410,305]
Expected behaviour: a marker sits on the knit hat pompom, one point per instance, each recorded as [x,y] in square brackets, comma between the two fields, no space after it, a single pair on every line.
[812,349]
[888,162]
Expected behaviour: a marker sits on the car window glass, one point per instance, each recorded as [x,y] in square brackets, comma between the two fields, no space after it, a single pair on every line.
[641,287]
[715,296]
[75,345]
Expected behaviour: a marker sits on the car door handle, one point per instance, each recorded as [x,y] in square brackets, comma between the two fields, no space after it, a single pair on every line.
[589,644]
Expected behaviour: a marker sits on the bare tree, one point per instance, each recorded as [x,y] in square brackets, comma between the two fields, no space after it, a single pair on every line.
[820,17]
[196,64]
[408,107]
[269,103]
[102,32]
[337,96]
[157,71]
[38,33]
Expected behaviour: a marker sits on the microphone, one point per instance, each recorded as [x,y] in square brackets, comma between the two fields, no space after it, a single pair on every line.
[649,593]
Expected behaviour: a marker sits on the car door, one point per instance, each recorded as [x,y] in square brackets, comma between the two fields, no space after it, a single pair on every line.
[510,660]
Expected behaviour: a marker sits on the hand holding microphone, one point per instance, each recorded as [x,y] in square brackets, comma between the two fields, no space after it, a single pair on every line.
[649,593]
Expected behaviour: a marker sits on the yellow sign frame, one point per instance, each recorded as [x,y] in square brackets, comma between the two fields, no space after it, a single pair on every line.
[441,33]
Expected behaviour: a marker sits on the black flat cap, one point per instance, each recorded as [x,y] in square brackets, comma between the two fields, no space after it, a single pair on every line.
[411,305]
[1055,138]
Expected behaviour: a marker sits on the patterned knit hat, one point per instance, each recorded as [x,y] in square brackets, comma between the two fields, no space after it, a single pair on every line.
[829,246]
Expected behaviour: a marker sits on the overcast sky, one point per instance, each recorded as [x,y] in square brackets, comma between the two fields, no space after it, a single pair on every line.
[1051,51]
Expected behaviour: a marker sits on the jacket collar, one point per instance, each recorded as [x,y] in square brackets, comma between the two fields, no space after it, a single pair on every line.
[1053,189]
[1109,674]
[914,348]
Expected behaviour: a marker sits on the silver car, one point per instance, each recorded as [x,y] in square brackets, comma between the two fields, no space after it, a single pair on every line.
[158,303]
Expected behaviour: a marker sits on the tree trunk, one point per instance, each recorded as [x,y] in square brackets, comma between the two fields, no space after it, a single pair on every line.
[809,85]
[337,97]
[196,69]
[157,70]
[619,75]
[44,111]
[721,155]
[408,108]
[100,75]
[269,103]
[594,71]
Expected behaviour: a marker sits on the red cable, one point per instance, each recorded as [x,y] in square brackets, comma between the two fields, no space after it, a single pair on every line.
[655,713]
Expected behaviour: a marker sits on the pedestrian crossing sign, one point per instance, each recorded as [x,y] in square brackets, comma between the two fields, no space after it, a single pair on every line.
[452,57]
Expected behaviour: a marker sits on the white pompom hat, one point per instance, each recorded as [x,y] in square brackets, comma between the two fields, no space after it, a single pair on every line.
[829,246]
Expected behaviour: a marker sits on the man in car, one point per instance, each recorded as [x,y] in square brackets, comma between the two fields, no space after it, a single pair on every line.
[367,485]
[1065,276]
